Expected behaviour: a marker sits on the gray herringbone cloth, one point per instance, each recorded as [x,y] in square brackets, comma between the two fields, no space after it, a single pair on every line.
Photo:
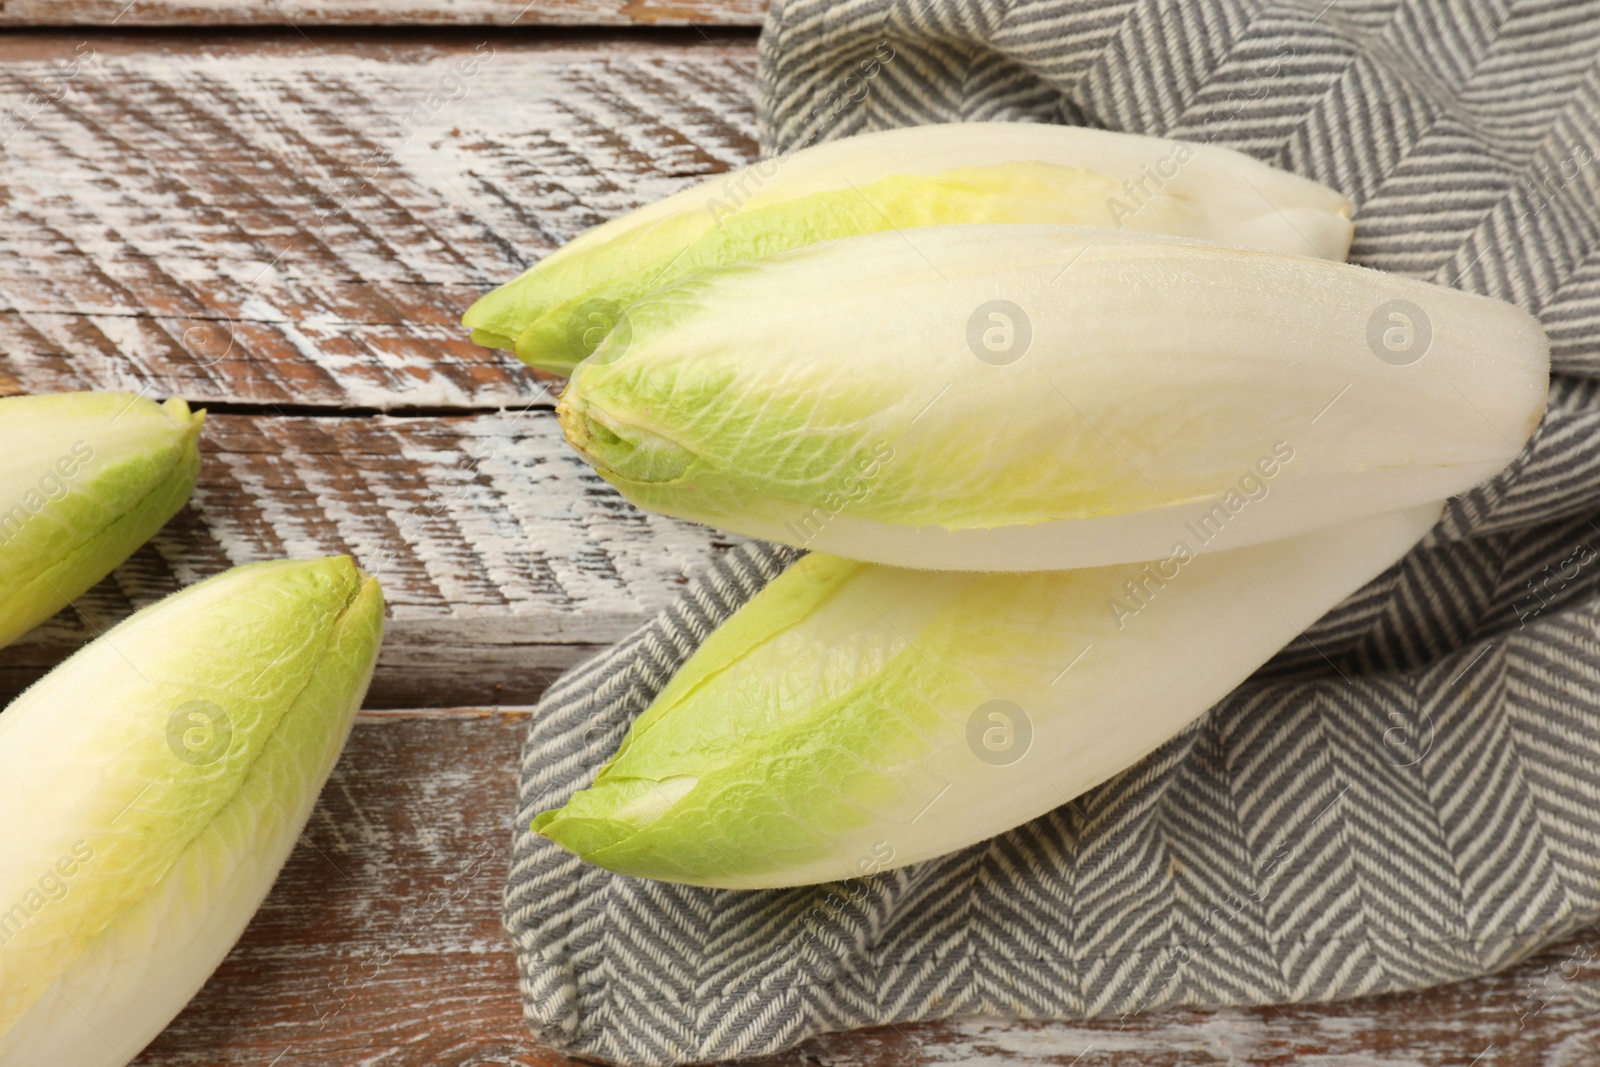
[1407,795]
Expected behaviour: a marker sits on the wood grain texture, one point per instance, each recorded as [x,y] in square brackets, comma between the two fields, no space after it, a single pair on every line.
[503,557]
[381,945]
[303,221]
[123,14]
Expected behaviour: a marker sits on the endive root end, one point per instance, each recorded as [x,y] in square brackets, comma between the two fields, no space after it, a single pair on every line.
[614,448]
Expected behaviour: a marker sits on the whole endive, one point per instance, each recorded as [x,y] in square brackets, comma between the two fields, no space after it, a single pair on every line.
[1042,397]
[852,717]
[556,312]
[86,479]
[153,785]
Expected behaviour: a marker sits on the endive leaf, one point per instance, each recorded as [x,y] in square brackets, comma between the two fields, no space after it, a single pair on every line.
[555,313]
[854,717]
[845,397]
[87,478]
[166,769]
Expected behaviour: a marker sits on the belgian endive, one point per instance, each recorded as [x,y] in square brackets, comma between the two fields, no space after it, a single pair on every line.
[153,785]
[1045,397]
[555,313]
[853,717]
[86,479]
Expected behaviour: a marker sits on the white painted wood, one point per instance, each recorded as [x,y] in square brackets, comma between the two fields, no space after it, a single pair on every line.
[304,223]
[123,13]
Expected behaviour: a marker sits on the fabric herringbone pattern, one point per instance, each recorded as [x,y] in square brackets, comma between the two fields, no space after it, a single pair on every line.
[1408,794]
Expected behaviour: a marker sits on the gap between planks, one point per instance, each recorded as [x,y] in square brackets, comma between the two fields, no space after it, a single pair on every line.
[433,13]
[384,716]
[504,559]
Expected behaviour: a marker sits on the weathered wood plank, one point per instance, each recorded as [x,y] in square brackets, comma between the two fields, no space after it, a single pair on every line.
[298,221]
[503,557]
[124,14]
[381,945]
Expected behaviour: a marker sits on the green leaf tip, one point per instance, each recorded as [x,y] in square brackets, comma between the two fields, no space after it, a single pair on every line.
[88,478]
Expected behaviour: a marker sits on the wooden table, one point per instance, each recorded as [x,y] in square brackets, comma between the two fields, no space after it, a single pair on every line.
[283,224]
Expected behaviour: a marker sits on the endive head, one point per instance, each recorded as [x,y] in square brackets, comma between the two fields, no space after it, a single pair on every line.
[843,397]
[852,717]
[788,747]
[142,773]
[87,478]
[558,311]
